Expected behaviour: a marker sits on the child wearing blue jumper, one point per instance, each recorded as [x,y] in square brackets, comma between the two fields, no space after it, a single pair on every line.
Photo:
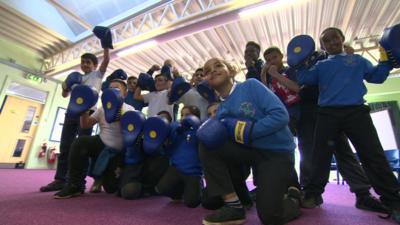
[258,124]
[183,176]
[340,80]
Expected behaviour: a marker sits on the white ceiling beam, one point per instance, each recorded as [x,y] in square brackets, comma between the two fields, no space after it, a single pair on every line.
[189,15]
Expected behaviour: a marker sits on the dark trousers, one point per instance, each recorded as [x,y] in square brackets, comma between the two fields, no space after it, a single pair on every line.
[356,123]
[238,174]
[142,177]
[347,163]
[89,147]
[272,177]
[174,184]
[70,130]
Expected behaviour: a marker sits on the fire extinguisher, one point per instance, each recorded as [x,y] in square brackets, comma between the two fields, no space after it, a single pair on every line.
[43,150]
[51,155]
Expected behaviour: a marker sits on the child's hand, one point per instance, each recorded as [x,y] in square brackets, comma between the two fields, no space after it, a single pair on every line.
[263,74]
[272,70]
[249,63]
[175,72]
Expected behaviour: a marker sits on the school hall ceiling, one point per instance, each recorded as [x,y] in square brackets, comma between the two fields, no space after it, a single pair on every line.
[190,31]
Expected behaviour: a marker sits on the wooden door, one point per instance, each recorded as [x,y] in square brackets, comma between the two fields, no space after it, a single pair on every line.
[19,119]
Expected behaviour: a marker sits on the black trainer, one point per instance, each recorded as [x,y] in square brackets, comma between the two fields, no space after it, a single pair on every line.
[291,209]
[69,191]
[253,194]
[295,193]
[226,215]
[56,185]
[312,201]
[248,205]
[372,204]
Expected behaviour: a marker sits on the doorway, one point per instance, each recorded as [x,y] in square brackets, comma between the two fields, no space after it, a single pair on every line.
[19,119]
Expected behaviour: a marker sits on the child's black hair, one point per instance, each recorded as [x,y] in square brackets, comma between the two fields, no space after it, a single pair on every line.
[193,110]
[330,29]
[340,32]
[199,69]
[254,44]
[91,57]
[132,78]
[271,50]
[168,115]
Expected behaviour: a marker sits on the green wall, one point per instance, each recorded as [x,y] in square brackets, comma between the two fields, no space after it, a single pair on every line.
[388,91]
[8,75]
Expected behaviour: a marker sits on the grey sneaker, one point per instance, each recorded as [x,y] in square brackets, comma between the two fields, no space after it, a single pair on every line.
[226,215]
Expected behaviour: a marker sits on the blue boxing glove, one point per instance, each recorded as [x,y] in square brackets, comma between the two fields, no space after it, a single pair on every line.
[187,123]
[105,36]
[146,82]
[299,51]
[156,131]
[206,91]
[82,99]
[112,104]
[178,89]
[72,79]
[166,70]
[190,122]
[117,74]
[212,133]
[132,124]
[105,85]
[239,130]
[390,51]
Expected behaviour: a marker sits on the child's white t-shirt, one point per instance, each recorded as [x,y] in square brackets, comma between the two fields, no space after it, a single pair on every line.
[158,101]
[193,98]
[93,79]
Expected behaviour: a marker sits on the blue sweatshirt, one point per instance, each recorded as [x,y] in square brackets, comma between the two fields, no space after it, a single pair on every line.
[251,100]
[130,100]
[183,151]
[340,79]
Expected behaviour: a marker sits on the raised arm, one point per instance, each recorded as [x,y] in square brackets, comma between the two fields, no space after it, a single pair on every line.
[106,61]
[138,94]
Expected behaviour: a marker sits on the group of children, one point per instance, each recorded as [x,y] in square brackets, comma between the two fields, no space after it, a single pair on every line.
[250,127]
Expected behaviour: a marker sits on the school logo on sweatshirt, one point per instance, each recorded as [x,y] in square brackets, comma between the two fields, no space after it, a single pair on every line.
[349,60]
[247,109]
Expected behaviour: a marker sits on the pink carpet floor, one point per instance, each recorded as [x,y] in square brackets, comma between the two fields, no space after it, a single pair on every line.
[22,204]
